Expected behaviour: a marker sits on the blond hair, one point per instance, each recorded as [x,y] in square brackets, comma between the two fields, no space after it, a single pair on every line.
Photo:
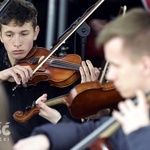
[133,28]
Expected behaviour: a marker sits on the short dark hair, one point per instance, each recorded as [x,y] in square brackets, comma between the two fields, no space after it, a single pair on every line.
[20,11]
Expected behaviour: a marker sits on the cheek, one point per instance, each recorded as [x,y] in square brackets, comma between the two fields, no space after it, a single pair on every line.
[131,84]
[7,45]
[28,44]
[127,90]
[3,40]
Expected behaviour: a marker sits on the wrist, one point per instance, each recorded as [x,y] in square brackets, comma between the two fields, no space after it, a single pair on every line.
[56,119]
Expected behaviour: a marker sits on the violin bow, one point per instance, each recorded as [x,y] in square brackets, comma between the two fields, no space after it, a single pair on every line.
[104,72]
[4,6]
[68,34]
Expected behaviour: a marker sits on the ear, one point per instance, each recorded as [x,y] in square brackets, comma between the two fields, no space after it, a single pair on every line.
[146,65]
[1,39]
[36,32]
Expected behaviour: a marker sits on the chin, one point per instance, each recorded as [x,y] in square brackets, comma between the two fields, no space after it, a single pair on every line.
[126,95]
[19,57]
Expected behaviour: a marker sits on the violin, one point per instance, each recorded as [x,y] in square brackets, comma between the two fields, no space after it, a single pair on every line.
[53,50]
[58,71]
[83,100]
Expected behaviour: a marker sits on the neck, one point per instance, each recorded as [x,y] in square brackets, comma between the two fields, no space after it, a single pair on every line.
[13,62]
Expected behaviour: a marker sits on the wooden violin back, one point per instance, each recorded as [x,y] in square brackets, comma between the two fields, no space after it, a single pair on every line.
[88,98]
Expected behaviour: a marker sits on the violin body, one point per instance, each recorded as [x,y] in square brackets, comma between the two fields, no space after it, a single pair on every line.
[58,71]
[90,97]
[100,144]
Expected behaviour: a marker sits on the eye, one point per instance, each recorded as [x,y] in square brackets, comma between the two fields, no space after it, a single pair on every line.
[24,34]
[9,35]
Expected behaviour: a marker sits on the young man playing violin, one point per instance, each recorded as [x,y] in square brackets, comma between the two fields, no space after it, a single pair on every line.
[18,31]
[127,49]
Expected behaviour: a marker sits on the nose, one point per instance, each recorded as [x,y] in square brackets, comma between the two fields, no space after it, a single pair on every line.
[17,41]
[110,75]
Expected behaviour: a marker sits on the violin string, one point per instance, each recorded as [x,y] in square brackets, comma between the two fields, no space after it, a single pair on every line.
[65,64]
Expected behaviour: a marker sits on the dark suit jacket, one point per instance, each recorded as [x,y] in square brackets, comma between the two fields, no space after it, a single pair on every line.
[65,135]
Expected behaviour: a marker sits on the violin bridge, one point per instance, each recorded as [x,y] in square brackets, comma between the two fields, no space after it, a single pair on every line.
[41,58]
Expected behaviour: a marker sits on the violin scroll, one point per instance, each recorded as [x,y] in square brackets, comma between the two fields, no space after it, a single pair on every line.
[22,117]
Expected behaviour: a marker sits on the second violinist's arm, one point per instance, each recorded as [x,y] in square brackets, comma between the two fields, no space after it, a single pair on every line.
[46,112]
